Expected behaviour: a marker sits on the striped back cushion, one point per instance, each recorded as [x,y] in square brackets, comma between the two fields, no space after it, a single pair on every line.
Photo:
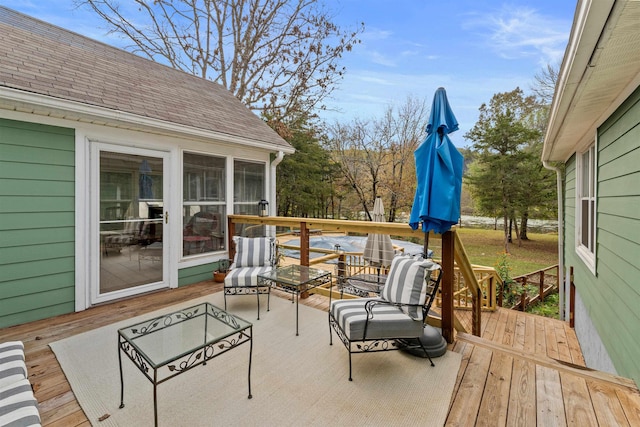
[406,284]
[253,251]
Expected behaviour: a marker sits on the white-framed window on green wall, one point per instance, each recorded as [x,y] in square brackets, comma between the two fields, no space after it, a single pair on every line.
[204,204]
[586,207]
[249,187]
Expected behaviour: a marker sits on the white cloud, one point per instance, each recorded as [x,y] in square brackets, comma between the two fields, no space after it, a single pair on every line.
[517,32]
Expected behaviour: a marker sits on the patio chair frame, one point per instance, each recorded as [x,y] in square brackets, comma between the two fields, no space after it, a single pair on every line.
[259,289]
[365,345]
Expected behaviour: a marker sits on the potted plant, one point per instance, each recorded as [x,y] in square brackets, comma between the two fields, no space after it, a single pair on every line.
[222,270]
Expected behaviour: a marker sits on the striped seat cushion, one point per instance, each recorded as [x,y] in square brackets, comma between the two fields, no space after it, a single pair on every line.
[387,322]
[406,284]
[245,276]
[18,407]
[253,252]
[12,366]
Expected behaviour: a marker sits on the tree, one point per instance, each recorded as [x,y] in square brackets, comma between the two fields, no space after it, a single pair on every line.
[375,157]
[544,84]
[305,178]
[279,57]
[501,136]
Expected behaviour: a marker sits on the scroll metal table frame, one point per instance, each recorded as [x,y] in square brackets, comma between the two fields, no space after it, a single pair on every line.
[213,331]
[296,279]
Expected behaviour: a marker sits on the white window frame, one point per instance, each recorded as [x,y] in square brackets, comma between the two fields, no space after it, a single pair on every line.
[587,250]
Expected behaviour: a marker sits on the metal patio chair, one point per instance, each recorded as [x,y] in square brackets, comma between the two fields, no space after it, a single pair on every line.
[395,320]
[254,255]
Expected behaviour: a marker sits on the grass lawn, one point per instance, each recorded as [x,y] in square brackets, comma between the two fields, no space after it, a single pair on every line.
[484,247]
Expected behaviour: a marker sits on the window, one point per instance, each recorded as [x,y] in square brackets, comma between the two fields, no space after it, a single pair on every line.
[204,204]
[248,187]
[586,207]
[248,190]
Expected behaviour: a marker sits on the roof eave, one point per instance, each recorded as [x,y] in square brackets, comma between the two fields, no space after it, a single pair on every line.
[44,105]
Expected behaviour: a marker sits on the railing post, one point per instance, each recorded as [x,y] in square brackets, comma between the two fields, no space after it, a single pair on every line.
[541,285]
[304,244]
[448,252]
[523,300]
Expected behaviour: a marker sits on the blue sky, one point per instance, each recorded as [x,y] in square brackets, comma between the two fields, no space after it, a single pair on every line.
[473,48]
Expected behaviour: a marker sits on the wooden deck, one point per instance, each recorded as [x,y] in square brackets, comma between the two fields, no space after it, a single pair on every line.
[525,370]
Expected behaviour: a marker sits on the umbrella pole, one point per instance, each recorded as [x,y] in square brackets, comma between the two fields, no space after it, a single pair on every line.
[425,250]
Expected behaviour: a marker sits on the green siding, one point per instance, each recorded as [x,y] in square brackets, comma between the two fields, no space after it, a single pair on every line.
[37,214]
[187,276]
[612,297]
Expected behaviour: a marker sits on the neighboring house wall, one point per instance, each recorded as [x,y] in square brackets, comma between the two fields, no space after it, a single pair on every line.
[36,221]
[611,299]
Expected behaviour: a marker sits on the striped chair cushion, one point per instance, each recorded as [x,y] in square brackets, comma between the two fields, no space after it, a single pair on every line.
[12,366]
[18,407]
[253,252]
[387,322]
[406,284]
[245,276]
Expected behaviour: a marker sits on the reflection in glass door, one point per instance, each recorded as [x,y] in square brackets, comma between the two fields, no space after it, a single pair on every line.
[131,221]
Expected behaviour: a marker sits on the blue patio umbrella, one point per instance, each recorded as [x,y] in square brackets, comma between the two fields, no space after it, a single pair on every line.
[439,172]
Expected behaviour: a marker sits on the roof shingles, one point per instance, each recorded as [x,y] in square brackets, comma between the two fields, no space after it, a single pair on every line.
[41,58]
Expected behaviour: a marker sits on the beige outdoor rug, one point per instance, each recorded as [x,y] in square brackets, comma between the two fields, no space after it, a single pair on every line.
[294,380]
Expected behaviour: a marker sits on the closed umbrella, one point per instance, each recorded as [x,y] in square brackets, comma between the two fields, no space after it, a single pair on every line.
[439,172]
[378,249]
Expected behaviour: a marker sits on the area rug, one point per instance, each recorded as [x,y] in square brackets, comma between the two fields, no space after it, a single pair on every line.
[295,380]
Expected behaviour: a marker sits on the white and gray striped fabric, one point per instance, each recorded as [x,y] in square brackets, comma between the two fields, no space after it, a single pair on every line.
[406,284]
[253,251]
[12,366]
[388,321]
[245,276]
[18,406]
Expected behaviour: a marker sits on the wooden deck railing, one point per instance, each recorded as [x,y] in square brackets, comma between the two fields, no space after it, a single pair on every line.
[452,253]
[545,281]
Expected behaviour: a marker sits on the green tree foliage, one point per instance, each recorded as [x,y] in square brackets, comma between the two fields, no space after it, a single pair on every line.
[507,176]
[305,179]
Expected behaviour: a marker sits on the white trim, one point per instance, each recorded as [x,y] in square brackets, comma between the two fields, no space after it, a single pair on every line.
[583,252]
[82,273]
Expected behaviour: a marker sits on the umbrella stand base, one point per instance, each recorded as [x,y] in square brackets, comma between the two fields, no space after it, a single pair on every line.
[433,342]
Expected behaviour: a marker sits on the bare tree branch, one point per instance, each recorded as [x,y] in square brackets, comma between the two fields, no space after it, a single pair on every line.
[279,57]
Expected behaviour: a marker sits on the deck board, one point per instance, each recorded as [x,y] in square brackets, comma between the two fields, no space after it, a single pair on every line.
[522,394]
[495,401]
[549,398]
[468,398]
[507,377]
[577,401]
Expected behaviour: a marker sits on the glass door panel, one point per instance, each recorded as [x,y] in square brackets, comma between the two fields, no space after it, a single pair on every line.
[131,221]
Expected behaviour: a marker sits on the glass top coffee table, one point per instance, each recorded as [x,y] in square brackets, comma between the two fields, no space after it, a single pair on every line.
[169,345]
[296,279]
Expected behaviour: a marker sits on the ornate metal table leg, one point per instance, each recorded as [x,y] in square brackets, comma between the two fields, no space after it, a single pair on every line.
[155,398]
[250,353]
[297,298]
[121,376]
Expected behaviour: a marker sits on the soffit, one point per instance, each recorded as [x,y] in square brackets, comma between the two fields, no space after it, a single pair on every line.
[598,80]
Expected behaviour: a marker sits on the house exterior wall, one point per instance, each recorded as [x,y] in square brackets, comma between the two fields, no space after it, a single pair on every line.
[607,306]
[37,203]
[45,235]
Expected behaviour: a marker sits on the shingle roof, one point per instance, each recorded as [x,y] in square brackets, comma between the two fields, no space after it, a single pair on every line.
[41,58]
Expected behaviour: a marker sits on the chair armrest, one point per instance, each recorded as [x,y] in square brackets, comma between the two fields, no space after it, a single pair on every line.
[369,305]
